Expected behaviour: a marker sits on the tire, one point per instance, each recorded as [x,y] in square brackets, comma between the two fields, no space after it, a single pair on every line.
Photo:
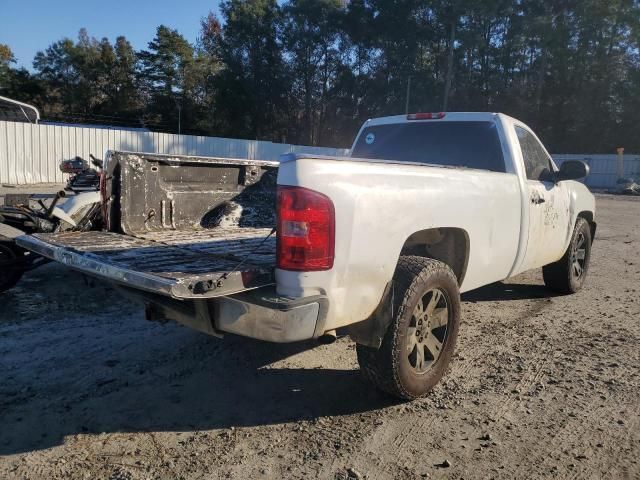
[420,284]
[568,274]
[9,276]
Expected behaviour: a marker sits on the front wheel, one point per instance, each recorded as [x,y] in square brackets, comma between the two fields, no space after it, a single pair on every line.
[10,269]
[568,274]
[420,340]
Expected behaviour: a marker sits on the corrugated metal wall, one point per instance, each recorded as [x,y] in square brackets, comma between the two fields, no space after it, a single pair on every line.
[31,153]
[603,172]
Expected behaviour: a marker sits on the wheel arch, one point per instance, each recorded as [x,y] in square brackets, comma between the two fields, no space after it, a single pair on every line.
[588,216]
[447,245]
[450,245]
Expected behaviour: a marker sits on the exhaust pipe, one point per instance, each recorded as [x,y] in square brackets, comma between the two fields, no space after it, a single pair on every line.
[327,337]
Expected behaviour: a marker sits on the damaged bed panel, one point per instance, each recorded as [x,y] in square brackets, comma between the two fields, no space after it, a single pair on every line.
[186,227]
[149,192]
[219,265]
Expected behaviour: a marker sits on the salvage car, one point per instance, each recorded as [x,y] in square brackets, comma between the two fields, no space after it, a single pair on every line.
[25,213]
[380,243]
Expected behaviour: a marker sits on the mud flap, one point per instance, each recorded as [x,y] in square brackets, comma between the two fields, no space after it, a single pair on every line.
[371,331]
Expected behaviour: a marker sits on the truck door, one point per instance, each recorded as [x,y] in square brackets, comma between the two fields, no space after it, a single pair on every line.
[548,204]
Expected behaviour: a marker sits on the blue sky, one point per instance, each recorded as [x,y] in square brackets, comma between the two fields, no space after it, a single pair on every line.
[31,25]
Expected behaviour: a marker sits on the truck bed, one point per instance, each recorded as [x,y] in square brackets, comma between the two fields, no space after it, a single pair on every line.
[181,265]
[185,227]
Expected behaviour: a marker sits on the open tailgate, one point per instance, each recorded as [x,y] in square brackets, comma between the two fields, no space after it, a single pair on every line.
[179,264]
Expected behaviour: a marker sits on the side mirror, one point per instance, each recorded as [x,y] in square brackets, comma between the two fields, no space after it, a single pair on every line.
[572,170]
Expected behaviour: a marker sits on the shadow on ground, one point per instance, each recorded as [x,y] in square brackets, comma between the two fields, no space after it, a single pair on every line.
[501,291]
[231,386]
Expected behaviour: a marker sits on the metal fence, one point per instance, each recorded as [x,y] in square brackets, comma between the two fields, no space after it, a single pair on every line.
[603,169]
[31,153]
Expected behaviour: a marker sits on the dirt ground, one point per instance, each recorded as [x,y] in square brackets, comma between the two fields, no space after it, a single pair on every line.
[541,386]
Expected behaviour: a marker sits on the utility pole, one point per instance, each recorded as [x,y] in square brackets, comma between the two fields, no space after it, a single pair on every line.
[406,106]
[620,163]
[179,119]
[449,74]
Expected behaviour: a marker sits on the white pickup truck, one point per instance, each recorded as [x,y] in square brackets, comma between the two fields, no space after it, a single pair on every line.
[381,242]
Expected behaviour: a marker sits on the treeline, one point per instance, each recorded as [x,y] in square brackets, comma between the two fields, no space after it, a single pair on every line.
[311,71]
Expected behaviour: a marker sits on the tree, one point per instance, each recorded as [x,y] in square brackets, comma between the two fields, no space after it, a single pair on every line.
[313,71]
[57,68]
[252,88]
[206,68]
[6,59]
[164,78]
[89,80]
[6,55]
[124,94]
[311,41]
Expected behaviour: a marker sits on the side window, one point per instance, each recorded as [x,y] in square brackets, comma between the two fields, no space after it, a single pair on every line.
[536,161]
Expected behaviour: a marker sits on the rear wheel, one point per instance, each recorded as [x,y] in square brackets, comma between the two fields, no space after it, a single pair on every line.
[10,271]
[568,274]
[420,341]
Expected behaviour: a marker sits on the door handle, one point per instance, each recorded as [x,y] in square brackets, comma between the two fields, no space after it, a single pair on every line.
[537,201]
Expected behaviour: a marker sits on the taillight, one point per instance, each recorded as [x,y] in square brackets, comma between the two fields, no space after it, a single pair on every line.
[305,230]
[425,116]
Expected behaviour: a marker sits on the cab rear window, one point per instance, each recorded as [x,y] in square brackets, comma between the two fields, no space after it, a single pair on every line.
[457,144]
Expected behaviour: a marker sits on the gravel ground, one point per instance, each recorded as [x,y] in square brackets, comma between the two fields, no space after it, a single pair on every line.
[541,386]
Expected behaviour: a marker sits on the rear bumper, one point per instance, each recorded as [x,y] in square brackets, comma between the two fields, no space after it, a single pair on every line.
[264,315]
[259,314]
